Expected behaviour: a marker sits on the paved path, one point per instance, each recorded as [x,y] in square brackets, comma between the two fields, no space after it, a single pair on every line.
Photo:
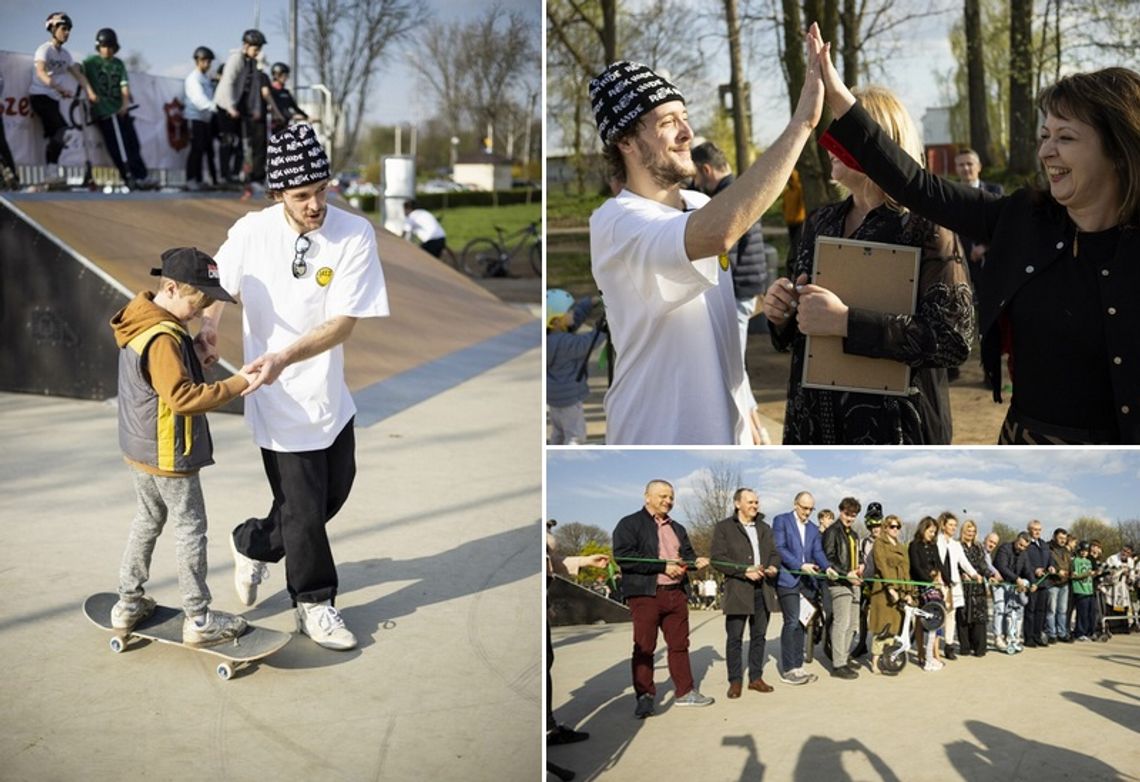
[438,551]
[1070,712]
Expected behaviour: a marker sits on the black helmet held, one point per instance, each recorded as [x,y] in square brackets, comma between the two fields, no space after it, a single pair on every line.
[204,53]
[107,37]
[55,19]
[253,38]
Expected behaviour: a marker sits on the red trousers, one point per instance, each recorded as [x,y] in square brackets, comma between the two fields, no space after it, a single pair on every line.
[669,611]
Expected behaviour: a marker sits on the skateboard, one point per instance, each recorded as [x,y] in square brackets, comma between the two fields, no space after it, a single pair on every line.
[165,626]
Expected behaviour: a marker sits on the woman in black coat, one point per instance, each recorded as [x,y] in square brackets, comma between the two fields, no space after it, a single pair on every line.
[926,565]
[1062,273]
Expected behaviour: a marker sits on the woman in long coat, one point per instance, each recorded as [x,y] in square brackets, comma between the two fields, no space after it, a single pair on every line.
[891,562]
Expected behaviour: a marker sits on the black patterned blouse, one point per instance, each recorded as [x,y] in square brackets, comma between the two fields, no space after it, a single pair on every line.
[936,337]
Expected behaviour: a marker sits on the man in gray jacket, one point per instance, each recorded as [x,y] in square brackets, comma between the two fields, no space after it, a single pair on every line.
[745,551]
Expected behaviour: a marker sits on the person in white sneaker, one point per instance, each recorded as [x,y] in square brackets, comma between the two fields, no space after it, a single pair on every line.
[165,439]
[295,316]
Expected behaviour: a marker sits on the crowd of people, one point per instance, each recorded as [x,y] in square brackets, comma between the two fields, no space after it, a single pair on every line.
[230,112]
[873,602]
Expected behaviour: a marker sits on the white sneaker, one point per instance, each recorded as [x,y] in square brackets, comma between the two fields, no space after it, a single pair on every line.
[125,616]
[1000,644]
[811,677]
[217,627]
[932,665]
[323,623]
[248,573]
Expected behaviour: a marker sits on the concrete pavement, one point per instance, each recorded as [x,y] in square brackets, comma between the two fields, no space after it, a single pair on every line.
[438,551]
[1069,712]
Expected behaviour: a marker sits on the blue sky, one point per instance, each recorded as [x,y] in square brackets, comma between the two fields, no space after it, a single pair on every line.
[1057,486]
[167,33]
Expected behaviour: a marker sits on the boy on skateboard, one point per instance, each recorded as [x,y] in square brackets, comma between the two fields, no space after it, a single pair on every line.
[165,439]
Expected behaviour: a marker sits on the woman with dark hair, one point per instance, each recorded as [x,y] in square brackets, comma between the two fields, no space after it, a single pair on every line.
[927,565]
[1062,276]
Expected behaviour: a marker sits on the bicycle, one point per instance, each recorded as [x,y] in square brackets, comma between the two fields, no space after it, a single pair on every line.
[932,615]
[485,257]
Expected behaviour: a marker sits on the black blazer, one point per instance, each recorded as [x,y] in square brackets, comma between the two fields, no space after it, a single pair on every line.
[730,543]
[636,536]
[1026,233]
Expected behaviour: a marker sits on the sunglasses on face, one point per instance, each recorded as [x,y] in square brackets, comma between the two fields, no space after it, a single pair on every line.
[300,247]
[894,526]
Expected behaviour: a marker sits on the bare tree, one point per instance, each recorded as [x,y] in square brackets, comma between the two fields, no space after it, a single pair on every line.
[711,503]
[442,70]
[499,56]
[1088,528]
[1004,531]
[346,41]
[976,78]
[1022,115]
[572,538]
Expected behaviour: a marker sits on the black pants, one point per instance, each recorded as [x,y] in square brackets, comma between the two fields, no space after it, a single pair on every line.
[435,246]
[309,487]
[550,722]
[201,148]
[8,175]
[55,128]
[1035,615]
[229,145]
[254,132]
[971,637]
[123,145]
[734,628]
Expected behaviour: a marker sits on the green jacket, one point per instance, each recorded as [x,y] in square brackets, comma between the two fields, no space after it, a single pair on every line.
[1082,586]
[107,77]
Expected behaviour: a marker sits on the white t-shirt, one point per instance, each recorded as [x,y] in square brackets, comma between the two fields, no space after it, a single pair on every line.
[679,376]
[57,62]
[422,224]
[309,404]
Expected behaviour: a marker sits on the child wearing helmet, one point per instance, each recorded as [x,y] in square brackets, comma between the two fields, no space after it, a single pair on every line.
[566,351]
[285,110]
[48,87]
[108,78]
[198,94]
[241,104]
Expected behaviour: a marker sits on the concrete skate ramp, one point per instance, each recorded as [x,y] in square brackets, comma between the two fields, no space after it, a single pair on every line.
[572,604]
[436,311]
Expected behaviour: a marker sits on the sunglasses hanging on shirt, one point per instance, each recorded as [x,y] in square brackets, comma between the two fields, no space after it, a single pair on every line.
[300,247]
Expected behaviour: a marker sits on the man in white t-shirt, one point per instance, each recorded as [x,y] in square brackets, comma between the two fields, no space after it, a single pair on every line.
[295,316]
[658,255]
[422,224]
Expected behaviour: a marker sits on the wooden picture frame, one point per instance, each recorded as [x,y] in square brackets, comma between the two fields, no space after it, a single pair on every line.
[868,275]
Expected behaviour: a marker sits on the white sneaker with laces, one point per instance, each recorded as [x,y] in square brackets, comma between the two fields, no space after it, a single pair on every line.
[216,627]
[323,623]
[125,616]
[248,573]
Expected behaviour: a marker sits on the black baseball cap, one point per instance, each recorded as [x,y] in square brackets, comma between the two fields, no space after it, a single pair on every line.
[192,266]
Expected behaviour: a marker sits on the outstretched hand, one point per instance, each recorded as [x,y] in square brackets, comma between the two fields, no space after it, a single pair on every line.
[265,368]
[809,108]
[839,98]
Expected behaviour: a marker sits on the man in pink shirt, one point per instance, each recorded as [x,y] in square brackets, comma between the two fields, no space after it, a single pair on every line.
[654,553]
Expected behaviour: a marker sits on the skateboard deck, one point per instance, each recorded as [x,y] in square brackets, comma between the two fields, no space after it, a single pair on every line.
[165,626]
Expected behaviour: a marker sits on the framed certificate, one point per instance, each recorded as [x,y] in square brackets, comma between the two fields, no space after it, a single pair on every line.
[871,276]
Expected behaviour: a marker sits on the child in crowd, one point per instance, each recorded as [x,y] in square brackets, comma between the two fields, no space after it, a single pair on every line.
[1083,592]
[566,352]
[165,439]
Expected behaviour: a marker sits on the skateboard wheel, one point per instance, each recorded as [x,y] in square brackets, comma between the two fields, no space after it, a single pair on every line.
[225,671]
[118,644]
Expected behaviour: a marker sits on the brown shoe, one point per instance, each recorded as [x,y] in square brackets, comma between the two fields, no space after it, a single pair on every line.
[760,685]
[734,689]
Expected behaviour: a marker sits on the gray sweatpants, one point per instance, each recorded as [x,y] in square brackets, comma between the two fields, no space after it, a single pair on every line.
[180,501]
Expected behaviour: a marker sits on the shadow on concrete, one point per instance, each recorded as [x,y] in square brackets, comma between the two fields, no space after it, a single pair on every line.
[1121,659]
[822,758]
[753,768]
[1120,688]
[1126,715]
[1003,755]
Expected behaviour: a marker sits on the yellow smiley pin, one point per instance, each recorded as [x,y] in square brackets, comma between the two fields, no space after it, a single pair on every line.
[723,261]
[324,276]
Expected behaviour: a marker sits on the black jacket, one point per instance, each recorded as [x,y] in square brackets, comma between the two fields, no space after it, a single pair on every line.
[730,543]
[1026,233]
[636,536]
[837,550]
[749,262]
[1012,564]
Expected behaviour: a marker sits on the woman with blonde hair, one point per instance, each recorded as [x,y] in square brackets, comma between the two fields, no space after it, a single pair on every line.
[891,564]
[936,337]
[1061,279]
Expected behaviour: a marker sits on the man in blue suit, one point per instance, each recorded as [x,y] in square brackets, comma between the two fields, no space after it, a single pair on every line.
[800,548]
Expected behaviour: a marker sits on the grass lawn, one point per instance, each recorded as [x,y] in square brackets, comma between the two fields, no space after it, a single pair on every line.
[465,223]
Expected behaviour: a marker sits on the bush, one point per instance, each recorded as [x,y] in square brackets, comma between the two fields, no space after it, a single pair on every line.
[436,201]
